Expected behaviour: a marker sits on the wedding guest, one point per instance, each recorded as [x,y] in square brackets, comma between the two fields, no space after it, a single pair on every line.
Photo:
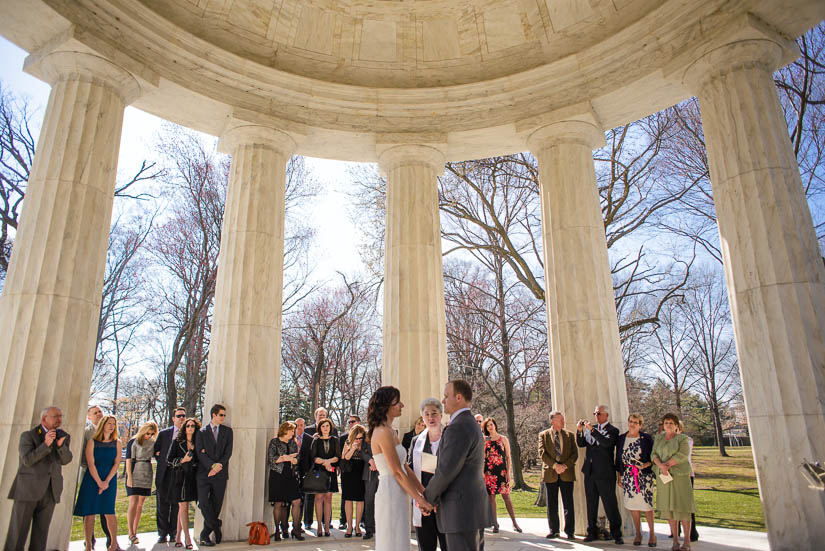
[425,445]
[558,452]
[324,454]
[370,478]
[213,446]
[415,431]
[182,462]
[300,427]
[674,495]
[694,534]
[166,512]
[282,456]
[98,489]
[352,482]
[139,452]
[479,419]
[635,477]
[93,416]
[38,483]
[320,414]
[352,420]
[498,469]
[599,472]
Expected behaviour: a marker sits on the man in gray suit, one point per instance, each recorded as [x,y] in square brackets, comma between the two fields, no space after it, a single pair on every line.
[39,481]
[459,477]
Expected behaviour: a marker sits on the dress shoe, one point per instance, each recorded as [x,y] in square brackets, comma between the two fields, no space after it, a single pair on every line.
[218,535]
[367,535]
[206,543]
[589,537]
[161,539]
[552,535]
[619,541]
[571,537]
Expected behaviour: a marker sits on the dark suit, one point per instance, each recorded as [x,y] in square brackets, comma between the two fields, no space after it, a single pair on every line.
[211,489]
[166,514]
[36,488]
[458,482]
[600,478]
[555,483]
[370,478]
[427,534]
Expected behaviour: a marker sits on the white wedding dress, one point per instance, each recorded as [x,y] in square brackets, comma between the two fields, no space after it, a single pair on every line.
[392,507]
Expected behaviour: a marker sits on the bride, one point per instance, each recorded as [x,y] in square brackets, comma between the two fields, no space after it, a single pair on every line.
[396,484]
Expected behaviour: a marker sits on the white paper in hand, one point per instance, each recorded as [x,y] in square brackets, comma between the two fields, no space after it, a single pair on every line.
[665,478]
[428,462]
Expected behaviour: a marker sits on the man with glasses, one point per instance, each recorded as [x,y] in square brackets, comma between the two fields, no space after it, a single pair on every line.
[213,446]
[599,472]
[167,510]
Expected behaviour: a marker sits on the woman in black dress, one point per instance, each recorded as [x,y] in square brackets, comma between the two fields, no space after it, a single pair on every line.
[352,481]
[324,454]
[183,463]
[282,456]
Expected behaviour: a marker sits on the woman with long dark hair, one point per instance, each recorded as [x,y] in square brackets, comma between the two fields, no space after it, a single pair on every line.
[182,462]
[324,454]
[396,483]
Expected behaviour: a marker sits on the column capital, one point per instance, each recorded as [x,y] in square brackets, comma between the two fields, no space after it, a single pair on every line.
[748,42]
[573,131]
[241,133]
[392,156]
[66,65]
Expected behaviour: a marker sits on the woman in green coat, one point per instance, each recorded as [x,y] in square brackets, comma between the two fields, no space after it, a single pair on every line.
[674,497]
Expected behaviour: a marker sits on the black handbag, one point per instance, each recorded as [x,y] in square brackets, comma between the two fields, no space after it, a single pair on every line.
[316,481]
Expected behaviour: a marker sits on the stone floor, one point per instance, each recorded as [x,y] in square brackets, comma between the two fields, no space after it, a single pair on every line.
[711,539]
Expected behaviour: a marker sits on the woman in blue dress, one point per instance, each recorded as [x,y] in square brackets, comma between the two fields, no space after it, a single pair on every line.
[99,487]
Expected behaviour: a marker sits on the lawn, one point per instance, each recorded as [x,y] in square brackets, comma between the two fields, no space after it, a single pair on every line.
[726,495]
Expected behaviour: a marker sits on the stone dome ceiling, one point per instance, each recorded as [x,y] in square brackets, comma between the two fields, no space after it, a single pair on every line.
[343,77]
[402,43]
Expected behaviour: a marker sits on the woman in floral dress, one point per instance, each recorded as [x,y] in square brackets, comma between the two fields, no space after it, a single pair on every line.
[498,471]
[635,476]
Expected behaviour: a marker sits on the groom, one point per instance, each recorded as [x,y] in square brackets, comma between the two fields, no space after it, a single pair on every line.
[457,488]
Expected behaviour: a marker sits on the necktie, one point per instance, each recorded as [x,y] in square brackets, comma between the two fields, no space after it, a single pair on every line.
[215,433]
[558,446]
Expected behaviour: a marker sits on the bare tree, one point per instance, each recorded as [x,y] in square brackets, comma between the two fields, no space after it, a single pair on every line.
[673,354]
[707,315]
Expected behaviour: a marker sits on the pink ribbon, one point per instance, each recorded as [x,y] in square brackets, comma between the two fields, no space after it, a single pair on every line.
[635,470]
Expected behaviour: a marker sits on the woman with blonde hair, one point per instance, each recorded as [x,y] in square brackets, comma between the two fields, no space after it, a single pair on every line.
[139,451]
[352,481]
[99,487]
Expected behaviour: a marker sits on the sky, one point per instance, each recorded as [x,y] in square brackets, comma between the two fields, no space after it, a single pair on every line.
[337,237]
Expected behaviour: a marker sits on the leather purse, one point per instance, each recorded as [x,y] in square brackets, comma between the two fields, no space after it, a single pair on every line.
[316,481]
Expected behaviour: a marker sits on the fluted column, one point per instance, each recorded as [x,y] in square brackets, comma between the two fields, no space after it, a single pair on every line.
[51,299]
[245,352]
[775,278]
[582,328]
[415,332]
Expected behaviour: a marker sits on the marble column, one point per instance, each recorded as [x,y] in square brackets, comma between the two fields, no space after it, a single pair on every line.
[245,352]
[415,332]
[582,328]
[51,299]
[775,279]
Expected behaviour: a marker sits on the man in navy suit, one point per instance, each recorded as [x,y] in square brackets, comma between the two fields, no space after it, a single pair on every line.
[599,472]
[213,444]
[167,509]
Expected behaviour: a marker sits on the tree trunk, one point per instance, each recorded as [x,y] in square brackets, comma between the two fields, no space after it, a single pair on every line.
[717,428]
[541,498]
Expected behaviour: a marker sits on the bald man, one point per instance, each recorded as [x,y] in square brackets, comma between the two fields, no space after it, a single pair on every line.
[39,481]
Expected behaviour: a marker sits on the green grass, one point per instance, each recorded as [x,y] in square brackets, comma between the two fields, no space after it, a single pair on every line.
[726,496]
[726,491]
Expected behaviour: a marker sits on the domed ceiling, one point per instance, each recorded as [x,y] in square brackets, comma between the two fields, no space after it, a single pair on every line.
[402,43]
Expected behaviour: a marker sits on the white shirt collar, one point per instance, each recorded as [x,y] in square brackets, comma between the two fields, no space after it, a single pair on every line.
[456,413]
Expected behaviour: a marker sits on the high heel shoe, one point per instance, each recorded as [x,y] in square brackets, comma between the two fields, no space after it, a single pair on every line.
[495,529]
[298,535]
[518,529]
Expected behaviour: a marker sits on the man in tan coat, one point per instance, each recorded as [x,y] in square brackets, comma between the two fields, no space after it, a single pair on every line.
[558,451]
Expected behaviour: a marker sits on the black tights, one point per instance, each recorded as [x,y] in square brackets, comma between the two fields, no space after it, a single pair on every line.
[280,516]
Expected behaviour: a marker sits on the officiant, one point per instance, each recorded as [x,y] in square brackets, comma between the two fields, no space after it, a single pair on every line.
[422,457]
